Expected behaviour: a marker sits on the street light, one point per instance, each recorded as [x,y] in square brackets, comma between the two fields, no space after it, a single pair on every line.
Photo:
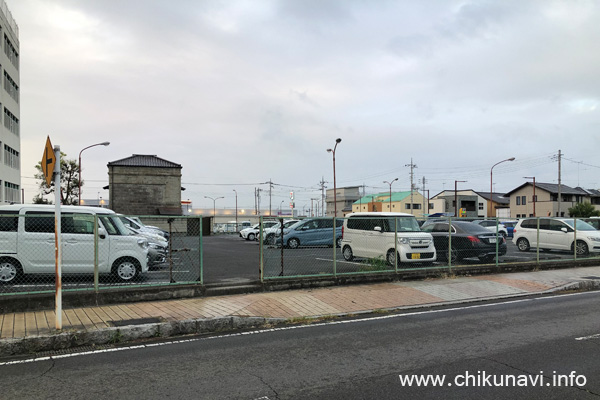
[214,209]
[456,198]
[390,183]
[490,207]
[534,199]
[79,185]
[337,141]
[280,206]
[236,218]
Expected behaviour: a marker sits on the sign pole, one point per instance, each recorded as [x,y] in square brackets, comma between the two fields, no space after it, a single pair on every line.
[57,235]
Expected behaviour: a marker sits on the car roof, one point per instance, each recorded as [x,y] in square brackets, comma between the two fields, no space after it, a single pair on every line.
[52,207]
[379,214]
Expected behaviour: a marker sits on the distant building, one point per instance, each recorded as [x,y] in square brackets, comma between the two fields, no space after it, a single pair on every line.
[145,185]
[10,130]
[407,202]
[345,197]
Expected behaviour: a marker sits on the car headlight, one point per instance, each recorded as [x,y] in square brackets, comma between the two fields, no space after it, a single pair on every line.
[594,239]
[403,240]
[143,243]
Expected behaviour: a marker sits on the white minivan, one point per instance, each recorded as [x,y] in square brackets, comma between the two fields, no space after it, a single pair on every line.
[374,235]
[27,242]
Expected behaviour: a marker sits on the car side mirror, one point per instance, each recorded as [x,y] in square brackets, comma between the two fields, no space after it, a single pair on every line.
[101,233]
[565,230]
[377,229]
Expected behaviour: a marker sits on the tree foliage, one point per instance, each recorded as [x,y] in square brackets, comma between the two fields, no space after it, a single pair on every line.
[583,210]
[69,182]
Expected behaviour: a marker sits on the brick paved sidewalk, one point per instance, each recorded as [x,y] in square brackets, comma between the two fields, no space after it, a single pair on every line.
[337,300]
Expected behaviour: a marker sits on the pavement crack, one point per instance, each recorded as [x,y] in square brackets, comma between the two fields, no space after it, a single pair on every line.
[50,368]
[267,385]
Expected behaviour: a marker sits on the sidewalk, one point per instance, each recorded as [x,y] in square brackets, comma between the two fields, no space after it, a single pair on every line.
[35,331]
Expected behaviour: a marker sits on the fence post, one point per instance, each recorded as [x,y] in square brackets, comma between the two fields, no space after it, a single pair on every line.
[201,252]
[334,247]
[396,255]
[575,238]
[537,242]
[96,252]
[450,245]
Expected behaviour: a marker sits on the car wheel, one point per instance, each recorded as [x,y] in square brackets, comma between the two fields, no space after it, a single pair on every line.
[126,269]
[293,243]
[347,253]
[454,257]
[391,258]
[270,239]
[338,242]
[10,270]
[523,244]
[250,236]
[582,248]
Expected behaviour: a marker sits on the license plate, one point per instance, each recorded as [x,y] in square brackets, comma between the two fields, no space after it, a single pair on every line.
[492,240]
[416,256]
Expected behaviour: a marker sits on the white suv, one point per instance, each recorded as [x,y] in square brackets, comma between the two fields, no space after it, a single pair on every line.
[557,234]
[373,235]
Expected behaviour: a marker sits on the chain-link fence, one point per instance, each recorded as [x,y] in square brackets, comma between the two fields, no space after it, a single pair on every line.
[387,243]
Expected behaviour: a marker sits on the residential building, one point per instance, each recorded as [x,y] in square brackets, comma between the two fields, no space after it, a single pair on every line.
[474,204]
[407,202]
[10,130]
[345,197]
[545,202]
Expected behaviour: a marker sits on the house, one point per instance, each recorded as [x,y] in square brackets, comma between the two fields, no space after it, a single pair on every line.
[407,202]
[545,202]
[344,198]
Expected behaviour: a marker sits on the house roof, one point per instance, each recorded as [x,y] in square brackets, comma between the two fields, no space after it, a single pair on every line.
[551,188]
[143,160]
[383,197]
[497,197]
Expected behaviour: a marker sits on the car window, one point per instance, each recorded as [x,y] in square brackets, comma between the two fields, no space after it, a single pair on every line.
[555,225]
[8,222]
[325,223]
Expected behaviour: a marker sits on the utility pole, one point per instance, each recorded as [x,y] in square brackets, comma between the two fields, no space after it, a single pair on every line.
[270,191]
[322,183]
[559,194]
[412,187]
[425,210]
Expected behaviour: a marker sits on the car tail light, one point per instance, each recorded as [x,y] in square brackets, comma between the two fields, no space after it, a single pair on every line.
[473,239]
[342,231]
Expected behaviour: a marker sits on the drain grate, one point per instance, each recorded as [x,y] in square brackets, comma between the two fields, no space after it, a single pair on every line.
[590,277]
[137,321]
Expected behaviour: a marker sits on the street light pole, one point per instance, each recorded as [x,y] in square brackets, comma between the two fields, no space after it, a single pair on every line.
[456,198]
[214,199]
[390,183]
[236,215]
[337,141]
[534,199]
[491,204]
[79,167]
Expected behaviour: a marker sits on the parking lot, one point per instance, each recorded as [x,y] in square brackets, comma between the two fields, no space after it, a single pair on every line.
[229,259]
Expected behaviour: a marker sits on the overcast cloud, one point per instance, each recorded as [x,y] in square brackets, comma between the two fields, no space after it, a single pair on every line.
[240,92]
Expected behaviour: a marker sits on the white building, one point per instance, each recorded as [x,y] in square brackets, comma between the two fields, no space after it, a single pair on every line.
[10,131]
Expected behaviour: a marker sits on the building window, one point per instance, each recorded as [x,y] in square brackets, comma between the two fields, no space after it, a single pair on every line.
[481,206]
[535,198]
[523,200]
[11,157]
[11,87]
[416,206]
[11,193]
[11,122]
[11,52]
[431,206]
[407,206]
[518,200]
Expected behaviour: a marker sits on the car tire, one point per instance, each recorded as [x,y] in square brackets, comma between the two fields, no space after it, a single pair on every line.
[10,270]
[390,257]
[270,239]
[126,269]
[582,248]
[250,236]
[347,253]
[523,244]
[487,258]
[293,243]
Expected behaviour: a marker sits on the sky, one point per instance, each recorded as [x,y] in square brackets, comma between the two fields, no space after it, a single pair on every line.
[245,92]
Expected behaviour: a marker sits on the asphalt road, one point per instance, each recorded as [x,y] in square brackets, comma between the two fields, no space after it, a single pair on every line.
[229,259]
[537,348]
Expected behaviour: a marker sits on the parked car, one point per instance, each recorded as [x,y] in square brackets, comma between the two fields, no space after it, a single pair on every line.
[253,232]
[492,225]
[312,232]
[158,247]
[269,234]
[468,240]
[593,221]
[137,224]
[510,226]
[28,242]
[387,235]
[556,234]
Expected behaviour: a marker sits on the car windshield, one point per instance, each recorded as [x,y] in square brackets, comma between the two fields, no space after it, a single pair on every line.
[581,225]
[113,225]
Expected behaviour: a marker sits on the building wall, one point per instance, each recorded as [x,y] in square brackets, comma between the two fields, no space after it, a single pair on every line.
[143,190]
[10,126]
[545,205]
[345,197]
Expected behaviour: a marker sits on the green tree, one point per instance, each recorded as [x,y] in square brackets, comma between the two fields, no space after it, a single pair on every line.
[69,182]
[583,210]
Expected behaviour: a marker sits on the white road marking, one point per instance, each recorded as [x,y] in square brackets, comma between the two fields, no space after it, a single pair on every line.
[596,336]
[289,328]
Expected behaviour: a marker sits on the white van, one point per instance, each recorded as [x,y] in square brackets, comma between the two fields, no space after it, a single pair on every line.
[27,242]
[373,235]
